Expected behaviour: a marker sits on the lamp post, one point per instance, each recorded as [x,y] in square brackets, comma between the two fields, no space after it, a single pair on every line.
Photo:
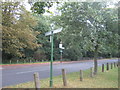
[51,34]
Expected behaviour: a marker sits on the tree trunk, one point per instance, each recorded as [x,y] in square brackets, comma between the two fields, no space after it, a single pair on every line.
[95,60]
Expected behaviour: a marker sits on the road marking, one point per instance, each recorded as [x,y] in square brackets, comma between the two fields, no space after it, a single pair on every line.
[1,68]
[33,71]
[29,71]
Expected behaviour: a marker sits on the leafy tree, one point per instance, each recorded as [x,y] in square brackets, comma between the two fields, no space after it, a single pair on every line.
[40,7]
[43,27]
[91,24]
[17,29]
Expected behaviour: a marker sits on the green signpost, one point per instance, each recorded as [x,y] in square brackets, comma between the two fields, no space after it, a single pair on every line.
[51,67]
[51,34]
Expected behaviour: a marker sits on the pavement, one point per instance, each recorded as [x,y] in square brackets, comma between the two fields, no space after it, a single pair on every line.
[21,73]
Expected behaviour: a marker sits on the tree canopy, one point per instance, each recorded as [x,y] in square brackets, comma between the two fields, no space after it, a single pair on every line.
[90,29]
[17,24]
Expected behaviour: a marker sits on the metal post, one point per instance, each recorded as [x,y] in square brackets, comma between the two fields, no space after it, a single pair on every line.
[17,61]
[10,61]
[51,71]
[61,56]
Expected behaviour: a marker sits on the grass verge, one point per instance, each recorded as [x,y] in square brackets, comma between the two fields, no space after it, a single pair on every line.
[107,79]
[15,63]
[25,63]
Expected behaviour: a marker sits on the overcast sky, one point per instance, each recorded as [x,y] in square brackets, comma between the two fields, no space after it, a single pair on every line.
[55,12]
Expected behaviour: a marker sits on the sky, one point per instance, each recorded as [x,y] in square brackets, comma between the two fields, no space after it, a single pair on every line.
[52,9]
[55,12]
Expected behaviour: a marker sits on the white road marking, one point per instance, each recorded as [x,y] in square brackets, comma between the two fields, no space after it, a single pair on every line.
[29,71]
[33,71]
[1,68]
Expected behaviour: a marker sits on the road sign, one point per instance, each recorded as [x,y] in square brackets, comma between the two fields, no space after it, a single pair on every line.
[48,33]
[57,30]
[54,31]
[60,45]
[63,48]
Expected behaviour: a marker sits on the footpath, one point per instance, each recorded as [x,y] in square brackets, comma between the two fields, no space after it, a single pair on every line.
[47,63]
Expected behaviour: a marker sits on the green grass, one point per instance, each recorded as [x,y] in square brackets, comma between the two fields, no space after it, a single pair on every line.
[107,79]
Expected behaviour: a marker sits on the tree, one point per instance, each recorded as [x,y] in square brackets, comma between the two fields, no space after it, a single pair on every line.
[88,24]
[40,7]
[44,26]
[17,26]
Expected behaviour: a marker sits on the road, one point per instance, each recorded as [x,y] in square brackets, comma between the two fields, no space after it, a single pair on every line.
[13,75]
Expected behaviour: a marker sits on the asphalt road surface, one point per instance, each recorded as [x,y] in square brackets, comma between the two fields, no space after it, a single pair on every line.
[13,75]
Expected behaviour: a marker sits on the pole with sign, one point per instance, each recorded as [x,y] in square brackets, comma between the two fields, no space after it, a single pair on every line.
[61,55]
[51,34]
[61,51]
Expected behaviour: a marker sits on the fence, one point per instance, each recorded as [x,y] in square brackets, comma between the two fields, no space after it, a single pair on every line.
[81,74]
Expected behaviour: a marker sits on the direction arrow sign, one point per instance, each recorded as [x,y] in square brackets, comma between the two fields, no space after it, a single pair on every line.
[54,31]
[57,30]
[48,33]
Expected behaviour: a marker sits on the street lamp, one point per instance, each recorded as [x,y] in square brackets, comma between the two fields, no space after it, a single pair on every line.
[51,34]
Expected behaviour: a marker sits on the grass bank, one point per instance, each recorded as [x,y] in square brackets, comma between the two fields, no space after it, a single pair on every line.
[24,63]
[107,79]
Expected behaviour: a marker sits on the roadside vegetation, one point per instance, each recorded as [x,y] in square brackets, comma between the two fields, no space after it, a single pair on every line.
[39,62]
[24,63]
[90,31]
[107,79]
[95,24]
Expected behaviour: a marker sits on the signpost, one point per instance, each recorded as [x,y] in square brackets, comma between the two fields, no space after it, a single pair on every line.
[61,55]
[51,34]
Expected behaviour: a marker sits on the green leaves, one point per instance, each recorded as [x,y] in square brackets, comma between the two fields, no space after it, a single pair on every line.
[39,7]
[17,31]
[80,35]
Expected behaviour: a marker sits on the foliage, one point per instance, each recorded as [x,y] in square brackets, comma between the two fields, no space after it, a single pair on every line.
[17,26]
[92,23]
[40,7]
[43,27]
[39,55]
[90,29]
